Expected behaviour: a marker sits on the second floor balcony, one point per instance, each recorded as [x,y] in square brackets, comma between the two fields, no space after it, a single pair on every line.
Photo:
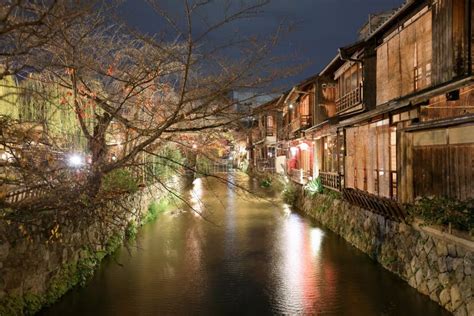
[266,133]
[349,100]
[301,122]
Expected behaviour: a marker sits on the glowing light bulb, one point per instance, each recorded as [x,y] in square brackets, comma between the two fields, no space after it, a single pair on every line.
[75,160]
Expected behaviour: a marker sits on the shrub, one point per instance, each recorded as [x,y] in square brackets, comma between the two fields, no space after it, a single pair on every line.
[156,208]
[444,211]
[266,183]
[314,186]
[165,166]
[131,230]
[119,180]
[289,193]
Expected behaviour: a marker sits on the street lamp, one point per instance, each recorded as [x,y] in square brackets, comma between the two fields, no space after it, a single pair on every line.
[75,160]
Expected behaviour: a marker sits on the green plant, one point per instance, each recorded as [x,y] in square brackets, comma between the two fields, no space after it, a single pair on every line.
[165,165]
[266,183]
[335,195]
[156,208]
[444,211]
[119,181]
[289,193]
[131,230]
[314,186]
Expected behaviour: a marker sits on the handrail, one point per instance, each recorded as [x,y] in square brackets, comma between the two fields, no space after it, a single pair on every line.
[349,100]
[331,180]
[300,122]
[386,207]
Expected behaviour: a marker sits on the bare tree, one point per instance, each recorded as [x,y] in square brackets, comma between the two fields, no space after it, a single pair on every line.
[129,93]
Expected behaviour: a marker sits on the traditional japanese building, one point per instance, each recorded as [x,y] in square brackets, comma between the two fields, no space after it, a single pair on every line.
[391,115]
[418,140]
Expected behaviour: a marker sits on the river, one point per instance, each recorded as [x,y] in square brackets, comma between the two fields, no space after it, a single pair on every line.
[248,256]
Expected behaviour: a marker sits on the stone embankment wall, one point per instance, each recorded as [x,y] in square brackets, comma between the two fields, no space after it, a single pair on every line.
[437,264]
[37,266]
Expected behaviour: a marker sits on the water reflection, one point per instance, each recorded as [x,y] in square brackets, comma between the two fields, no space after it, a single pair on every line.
[297,287]
[248,256]
[196,197]
[316,238]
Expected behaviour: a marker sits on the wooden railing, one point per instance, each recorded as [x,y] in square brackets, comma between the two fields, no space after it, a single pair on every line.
[388,208]
[330,180]
[263,133]
[21,194]
[300,122]
[349,100]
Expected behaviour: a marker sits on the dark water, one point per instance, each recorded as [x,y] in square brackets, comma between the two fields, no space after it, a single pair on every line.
[256,258]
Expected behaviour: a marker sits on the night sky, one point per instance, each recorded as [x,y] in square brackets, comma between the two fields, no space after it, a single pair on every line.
[319,27]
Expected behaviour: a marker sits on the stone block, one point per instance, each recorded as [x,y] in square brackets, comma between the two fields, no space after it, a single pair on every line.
[461,252]
[428,245]
[461,311]
[456,298]
[470,307]
[452,250]
[419,277]
[423,288]
[467,266]
[449,263]
[441,248]
[433,284]
[444,297]
[442,267]
[444,279]
[434,296]
[466,288]
[458,263]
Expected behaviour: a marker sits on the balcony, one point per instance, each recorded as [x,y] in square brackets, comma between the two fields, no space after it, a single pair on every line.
[349,100]
[300,122]
[330,180]
[265,134]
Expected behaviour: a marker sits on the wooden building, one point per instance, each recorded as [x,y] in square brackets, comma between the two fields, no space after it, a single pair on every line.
[298,115]
[391,117]
[264,135]
[417,139]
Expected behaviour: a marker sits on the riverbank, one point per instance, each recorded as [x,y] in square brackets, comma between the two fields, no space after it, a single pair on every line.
[36,269]
[435,263]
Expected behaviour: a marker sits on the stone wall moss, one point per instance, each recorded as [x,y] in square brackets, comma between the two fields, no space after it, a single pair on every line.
[78,271]
[436,265]
[68,276]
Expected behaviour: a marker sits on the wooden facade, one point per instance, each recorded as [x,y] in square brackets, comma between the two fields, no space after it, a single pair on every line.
[404,58]
[391,116]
